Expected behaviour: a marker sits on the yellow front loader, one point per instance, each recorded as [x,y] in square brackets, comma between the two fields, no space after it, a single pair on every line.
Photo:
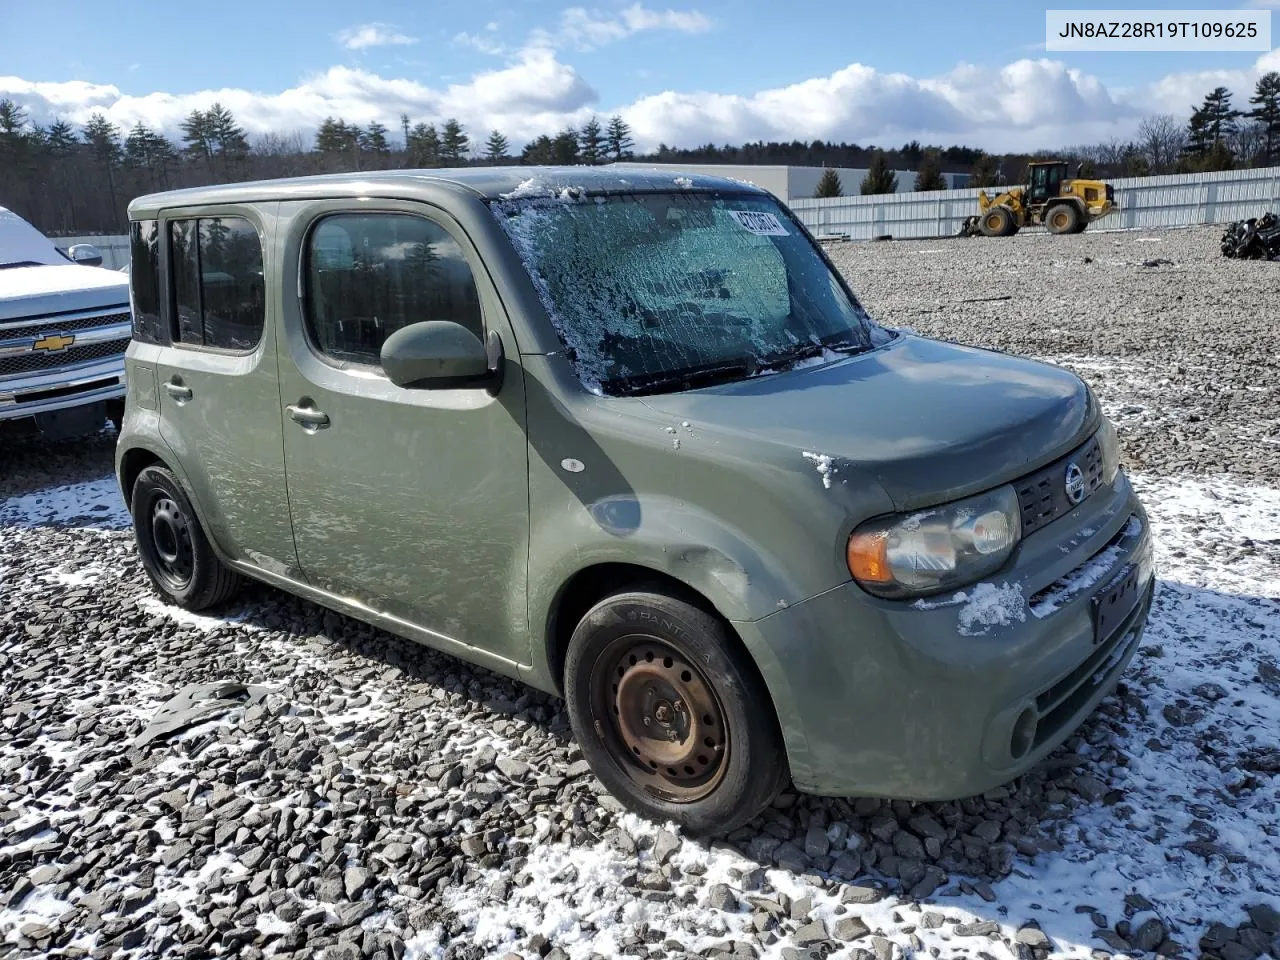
[1062,205]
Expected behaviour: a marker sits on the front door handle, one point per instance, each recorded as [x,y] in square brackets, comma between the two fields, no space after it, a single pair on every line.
[179,392]
[309,417]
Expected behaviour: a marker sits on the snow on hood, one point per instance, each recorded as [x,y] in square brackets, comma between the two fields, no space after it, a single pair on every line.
[20,242]
[42,290]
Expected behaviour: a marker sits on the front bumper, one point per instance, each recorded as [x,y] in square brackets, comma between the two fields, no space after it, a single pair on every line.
[61,388]
[925,701]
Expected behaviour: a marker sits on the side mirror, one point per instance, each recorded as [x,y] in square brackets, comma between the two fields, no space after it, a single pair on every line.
[441,354]
[85,254]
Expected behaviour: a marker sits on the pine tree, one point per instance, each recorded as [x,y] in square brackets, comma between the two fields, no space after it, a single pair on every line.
[198,136]
[496,147]
[591,142]
[618,138]
[453,142]
[929,173]
[983,171]
[1217,157]
[564,148]
[538,151]
[60,138]
[1266,111]
[879,178]
[424,146]
[828,185]
[228,136]
[373,139]
[103,139]
[339,142]
[145,149]
[1212,122]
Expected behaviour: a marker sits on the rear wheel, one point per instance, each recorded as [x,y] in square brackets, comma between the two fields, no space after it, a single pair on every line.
[174,550]
[671,716]
[1063,218]
[998,222]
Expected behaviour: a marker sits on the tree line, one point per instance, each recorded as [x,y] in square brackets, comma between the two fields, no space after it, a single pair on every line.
[69,180]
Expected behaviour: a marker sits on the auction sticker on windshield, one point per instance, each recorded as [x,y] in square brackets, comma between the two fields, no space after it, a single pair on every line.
[761,224]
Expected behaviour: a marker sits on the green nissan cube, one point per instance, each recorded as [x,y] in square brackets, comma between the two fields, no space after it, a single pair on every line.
[631,439]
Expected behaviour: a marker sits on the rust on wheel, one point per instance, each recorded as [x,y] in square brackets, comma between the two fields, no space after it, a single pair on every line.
[660,718]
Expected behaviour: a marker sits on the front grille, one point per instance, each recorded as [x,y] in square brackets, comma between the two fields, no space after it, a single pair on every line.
[40,326]
[1062,701]
[1042,496]
[41,361]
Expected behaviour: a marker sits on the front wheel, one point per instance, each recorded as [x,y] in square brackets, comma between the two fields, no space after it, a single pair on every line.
[1063,218]
[671,715]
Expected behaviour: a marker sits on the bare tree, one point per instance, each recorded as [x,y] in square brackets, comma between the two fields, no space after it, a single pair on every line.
[1248,142]
[1161,139]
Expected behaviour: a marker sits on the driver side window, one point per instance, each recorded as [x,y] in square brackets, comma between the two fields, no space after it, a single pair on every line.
[369,274]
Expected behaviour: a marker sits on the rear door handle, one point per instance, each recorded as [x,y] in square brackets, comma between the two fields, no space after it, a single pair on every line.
[309,417]
[179,392]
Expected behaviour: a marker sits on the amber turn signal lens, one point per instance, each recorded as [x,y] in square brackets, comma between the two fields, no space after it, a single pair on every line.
[867,560]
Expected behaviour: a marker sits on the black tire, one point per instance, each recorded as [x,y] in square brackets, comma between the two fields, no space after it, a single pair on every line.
[997,221]
[1062,218]
[174,550]
[649,658]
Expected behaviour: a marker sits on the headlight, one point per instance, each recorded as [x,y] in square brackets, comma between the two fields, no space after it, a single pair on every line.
[940,549]
[1109,444]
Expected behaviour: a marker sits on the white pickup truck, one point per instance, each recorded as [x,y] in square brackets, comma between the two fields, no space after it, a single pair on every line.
[64,326]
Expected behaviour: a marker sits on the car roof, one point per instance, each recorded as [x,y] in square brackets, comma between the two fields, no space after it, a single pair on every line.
[489,183]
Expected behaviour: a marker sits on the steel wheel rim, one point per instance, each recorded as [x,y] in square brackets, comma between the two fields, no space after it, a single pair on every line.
[660,718]
[995,221]
[1060,220]
[171,542]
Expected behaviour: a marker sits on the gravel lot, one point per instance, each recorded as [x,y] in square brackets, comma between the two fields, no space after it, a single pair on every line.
[385,801]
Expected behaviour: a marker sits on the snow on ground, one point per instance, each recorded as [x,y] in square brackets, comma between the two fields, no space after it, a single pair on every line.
[93,504]
[1160,820]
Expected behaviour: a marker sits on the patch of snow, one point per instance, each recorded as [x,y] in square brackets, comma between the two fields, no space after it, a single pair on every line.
[988,605]
[94,504]
[201,621]
[684,183]
[824,464]
[1084,576]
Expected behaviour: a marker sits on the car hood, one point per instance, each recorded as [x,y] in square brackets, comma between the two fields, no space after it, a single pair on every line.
[929,421]
[47,289]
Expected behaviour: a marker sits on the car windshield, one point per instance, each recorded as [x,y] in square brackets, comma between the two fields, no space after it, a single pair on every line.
[22,245]
[653,293]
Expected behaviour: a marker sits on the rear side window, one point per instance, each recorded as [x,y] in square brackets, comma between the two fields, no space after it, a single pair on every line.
[368,275]
[144,281]
[218,297]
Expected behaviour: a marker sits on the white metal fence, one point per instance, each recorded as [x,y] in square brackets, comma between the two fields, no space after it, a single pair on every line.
[1179,200]
[115,249]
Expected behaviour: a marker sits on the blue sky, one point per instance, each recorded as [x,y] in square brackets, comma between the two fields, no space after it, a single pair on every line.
[680,72]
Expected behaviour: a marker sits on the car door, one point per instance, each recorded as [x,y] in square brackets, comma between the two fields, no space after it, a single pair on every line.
[414,502]
[219,393]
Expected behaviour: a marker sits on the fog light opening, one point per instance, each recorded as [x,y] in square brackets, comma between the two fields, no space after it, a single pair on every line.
[1024,734]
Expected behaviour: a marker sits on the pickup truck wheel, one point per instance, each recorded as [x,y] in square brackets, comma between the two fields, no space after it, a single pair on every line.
[669,714]
[173,548]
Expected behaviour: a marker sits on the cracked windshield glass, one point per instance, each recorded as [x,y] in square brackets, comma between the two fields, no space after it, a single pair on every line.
[658,292]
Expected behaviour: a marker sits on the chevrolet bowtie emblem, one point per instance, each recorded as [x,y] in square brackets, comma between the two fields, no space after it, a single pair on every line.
[53,342]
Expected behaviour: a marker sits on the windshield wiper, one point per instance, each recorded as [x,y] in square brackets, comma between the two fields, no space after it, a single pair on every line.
[807,351]
[21,263]
[687,379]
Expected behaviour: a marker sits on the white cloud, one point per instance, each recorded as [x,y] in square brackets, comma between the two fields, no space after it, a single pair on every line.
[585,29]
[480,42]
[372,35]
[1028,104]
